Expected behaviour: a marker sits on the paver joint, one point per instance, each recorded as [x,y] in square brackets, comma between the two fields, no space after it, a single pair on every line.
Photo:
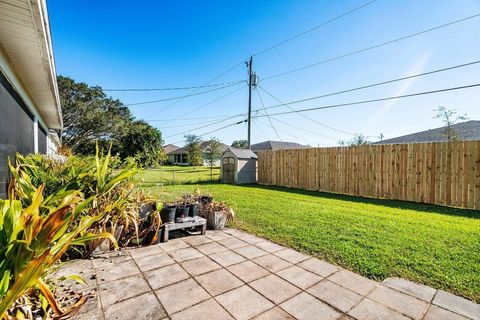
[231,274]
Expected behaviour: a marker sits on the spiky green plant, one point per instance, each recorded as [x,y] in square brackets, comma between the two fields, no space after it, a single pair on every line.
[33,238]
[107,192]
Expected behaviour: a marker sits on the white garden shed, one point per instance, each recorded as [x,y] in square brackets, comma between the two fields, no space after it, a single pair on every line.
[238,166]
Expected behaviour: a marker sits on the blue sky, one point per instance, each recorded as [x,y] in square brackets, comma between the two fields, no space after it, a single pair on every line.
[155,44]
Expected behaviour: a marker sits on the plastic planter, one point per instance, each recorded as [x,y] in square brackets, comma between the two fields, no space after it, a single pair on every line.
[168,214]
[193,210]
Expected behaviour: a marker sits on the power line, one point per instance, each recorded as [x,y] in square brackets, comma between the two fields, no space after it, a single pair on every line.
[188,124]
[218,129]
[368,85]
[286,133]
[370,48]
[374,100]
[182,97]
[174,88]
[188,119]
[201,127]
[315,97]
[269,120]
[209,82]
[260,129]
[305,116]
[303,129]
[313,28]
[209,103]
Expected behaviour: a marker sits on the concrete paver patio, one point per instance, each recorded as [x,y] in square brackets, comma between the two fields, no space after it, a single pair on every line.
[231,274]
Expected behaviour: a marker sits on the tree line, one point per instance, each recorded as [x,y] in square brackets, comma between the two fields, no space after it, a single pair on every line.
[91,117]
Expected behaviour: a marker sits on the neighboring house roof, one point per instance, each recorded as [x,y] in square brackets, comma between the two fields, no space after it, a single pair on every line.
[276,145]
[203,146]
[169,148]
[30,65]
[242,153]
[469,130]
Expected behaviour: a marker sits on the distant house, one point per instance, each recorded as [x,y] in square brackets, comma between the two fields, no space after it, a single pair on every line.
[29,101]
[276,145]
[468,130]
[178,156]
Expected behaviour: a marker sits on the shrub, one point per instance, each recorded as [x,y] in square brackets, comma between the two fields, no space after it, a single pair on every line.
[107,192]
[34,237]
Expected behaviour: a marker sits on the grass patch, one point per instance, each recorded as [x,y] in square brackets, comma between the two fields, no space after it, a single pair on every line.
[169,175]
[434,245]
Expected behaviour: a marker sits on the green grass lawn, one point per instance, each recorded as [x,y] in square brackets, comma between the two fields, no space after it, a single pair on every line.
[434,245]
[168,175]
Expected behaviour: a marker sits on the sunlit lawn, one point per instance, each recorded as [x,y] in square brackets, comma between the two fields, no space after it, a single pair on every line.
[434,245]
[167,175]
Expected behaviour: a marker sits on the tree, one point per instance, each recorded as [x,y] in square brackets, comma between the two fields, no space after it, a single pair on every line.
[91,117]
[193,149]
[357,140]
[241,144]
[142,136]
[449,117]
[212,154]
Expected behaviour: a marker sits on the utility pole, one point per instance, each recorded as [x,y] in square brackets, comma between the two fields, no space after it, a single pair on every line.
[250,76]
[381,136]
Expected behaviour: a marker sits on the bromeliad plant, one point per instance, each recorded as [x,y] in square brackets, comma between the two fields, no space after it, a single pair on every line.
[107,192]
[34,237]
[84,203]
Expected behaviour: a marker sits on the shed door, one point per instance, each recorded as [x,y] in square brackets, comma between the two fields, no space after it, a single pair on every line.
[228,170]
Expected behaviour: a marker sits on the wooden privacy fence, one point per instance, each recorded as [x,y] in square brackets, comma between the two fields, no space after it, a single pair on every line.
[444,173]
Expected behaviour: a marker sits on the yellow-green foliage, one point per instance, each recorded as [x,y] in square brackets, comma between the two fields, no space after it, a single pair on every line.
[85,201]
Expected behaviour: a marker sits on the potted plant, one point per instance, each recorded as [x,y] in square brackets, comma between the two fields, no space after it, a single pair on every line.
[168,213]
[205,199]
[193,209]
[217,215]
[182,210]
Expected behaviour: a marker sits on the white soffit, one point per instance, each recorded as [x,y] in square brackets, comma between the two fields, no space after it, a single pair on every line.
[25,39]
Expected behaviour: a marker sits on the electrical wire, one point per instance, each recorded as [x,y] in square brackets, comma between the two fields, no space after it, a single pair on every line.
[313,28]
[368,85]
[305,116]
[188,119]
[259,129]
[218,129]
[173,88]
[201,127]
[305,130]
[182,97]
[209,103]
[313,98]
[374,100]
[370,48]
[286,133]
[209,82]
[269,120]
[186,124]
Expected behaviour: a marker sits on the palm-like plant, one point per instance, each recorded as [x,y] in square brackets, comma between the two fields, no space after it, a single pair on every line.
[106,192]
[82,204]
[33,238]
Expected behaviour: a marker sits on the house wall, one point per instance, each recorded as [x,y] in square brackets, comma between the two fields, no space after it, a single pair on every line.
[215,163]
[178,159]
[17,130]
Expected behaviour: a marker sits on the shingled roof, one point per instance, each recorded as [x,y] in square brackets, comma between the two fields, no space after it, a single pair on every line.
[276,145]
[169,148]
[203,147]
[469,130]
[242,153]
